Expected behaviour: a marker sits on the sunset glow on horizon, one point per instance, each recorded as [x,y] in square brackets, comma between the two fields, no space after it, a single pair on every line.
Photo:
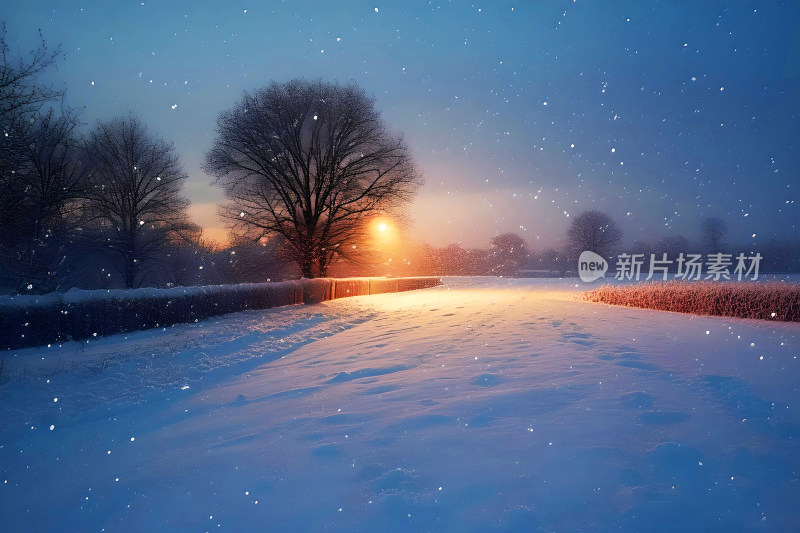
[519,116]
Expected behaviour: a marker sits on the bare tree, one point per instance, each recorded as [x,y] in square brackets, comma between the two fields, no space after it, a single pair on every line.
[246,261]
[188,258]
[134,189]
[508,254]
[714,232]
[20,89]
[594,231]
[311,162]
[43,196]
[21,96]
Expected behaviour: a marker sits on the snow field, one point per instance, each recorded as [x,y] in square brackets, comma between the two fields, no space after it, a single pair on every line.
[479,405]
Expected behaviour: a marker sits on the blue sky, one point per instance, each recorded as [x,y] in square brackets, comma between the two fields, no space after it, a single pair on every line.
[520,114]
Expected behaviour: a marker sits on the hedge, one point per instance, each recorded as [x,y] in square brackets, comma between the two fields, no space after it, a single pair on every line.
[766,301]
[77,315]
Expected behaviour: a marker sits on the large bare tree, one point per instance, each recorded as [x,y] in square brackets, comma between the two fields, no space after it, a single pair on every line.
[311,162]
[594,231]
[134,188]
[39,169]
[21,96]
[43,198]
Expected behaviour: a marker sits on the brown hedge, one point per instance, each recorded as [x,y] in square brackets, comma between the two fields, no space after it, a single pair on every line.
[767,301]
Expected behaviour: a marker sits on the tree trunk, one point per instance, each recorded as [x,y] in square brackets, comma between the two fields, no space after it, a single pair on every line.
[130,272]
[130,267]
[307,268]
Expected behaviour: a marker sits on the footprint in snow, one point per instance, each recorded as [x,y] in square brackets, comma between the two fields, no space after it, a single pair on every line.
[380,389]
[673,461]
[487,380]
[663,418]
[398,479]
[640,400]
[638,365]
[326,451]
[366,372]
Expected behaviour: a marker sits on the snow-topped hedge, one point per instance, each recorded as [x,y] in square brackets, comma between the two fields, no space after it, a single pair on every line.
[80,314]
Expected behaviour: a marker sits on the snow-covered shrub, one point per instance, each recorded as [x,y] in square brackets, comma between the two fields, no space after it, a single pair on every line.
[769,301]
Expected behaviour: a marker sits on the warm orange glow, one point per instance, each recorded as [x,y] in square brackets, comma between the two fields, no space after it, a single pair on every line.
[382,227]
[385,235]
[217,235]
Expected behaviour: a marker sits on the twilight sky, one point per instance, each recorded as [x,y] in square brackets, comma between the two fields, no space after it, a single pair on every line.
[520,114]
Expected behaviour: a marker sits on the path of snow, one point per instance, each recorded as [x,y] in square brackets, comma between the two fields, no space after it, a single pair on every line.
[479,405]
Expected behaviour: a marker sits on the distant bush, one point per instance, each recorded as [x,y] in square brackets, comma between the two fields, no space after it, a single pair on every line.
[768,301]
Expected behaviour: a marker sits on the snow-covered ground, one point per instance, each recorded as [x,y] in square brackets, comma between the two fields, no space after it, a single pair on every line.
[483,404]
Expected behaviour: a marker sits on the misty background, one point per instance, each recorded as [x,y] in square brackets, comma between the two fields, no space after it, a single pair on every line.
[520,116]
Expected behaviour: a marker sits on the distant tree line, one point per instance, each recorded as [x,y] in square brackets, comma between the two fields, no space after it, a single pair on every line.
[508,254]
[305,166]
[98,209]
[597,231]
